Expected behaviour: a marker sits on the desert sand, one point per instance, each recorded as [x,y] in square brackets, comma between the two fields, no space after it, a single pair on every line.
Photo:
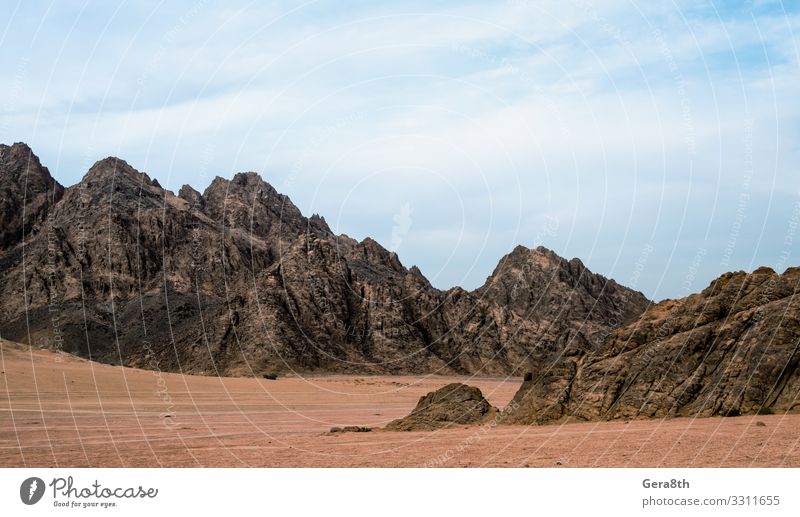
[60,410]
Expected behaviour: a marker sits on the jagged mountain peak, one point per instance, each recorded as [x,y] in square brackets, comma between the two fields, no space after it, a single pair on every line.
[18,145]
[17,160]
[190,195]
[246,186]
[114,183]
[18,149]
[317,223]
[371,250]
[111,165]
[544,264]
[539,256]
[537,265]
[250,203]
[27,193]
[539,283]
[113,168]
[252,180]
[734,282]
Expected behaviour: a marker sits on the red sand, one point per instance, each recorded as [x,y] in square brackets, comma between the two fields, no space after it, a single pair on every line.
[58,410]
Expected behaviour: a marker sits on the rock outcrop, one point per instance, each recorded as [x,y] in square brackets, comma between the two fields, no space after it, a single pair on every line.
[455,404]
[237,281]
[732,349]
[27,193]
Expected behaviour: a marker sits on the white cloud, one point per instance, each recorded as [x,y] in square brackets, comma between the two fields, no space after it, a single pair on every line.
[589,110]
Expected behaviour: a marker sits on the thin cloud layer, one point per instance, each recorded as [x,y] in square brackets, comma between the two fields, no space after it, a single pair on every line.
[602,130]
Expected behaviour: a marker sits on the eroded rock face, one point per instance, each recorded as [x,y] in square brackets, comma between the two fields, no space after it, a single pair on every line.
[731,349]
[455,404]
[27,193]
[237,281]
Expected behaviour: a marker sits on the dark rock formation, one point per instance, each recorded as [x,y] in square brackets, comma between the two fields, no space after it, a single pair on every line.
[452,405]
[349,429]
[236,281]
[732,349]
[27,193]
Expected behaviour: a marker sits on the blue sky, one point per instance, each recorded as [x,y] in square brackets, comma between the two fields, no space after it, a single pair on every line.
[657,141]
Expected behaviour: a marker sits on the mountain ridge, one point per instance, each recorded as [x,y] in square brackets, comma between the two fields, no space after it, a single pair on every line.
[192,195]
[270,288]
[237,281]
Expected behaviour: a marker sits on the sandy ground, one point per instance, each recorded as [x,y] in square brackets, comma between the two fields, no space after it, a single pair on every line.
[58,410]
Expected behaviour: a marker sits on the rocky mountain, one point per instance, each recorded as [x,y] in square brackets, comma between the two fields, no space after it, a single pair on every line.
[27,193]
[732,349]
[236,281]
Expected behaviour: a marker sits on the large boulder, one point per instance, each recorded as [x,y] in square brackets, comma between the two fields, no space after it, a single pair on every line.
[454,404]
